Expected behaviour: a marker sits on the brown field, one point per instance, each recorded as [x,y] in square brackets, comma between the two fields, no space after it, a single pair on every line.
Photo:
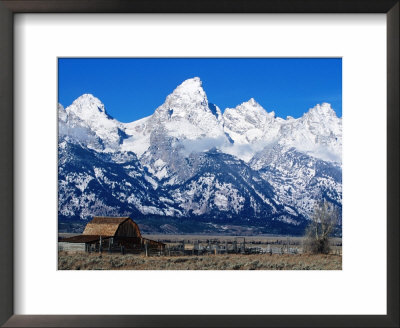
[96,261]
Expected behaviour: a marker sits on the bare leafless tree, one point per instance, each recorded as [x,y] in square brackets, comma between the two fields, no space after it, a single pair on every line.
[318,232]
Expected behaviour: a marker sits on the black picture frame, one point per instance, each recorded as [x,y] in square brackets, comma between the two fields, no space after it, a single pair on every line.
[10,7]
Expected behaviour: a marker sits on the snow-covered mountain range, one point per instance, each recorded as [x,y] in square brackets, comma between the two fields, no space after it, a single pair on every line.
[191,161]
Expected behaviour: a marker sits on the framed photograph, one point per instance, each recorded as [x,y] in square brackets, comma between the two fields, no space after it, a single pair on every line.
[178,182]
[239,162]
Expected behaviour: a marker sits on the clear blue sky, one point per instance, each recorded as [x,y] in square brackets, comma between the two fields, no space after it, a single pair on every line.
[132,88]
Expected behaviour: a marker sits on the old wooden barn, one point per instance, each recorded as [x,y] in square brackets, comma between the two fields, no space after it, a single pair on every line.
[110,234]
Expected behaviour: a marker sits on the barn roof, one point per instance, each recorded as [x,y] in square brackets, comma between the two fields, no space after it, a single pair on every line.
[109,219]
[104,226]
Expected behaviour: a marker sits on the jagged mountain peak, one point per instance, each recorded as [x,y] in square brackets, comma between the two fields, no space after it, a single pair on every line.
[191,89]
[189,93]
[87,121]
[188,106]
[88,102]
[193,84]
[252,106]
[321,111]
[88,108]
[250,103]
[249,122]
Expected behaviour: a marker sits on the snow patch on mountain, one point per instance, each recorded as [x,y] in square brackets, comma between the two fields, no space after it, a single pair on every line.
[138,141]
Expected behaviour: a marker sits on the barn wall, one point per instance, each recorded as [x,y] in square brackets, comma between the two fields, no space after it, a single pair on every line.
[71,247]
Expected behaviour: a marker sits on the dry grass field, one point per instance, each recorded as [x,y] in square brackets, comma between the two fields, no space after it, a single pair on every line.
[95,261]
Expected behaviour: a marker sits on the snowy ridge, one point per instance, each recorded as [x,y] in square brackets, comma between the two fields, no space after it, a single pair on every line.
[87,115]
[249,122]
[187,116]
[317,133]
[190,160]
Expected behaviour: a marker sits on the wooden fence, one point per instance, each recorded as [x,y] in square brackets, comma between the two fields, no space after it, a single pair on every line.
[238,245]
